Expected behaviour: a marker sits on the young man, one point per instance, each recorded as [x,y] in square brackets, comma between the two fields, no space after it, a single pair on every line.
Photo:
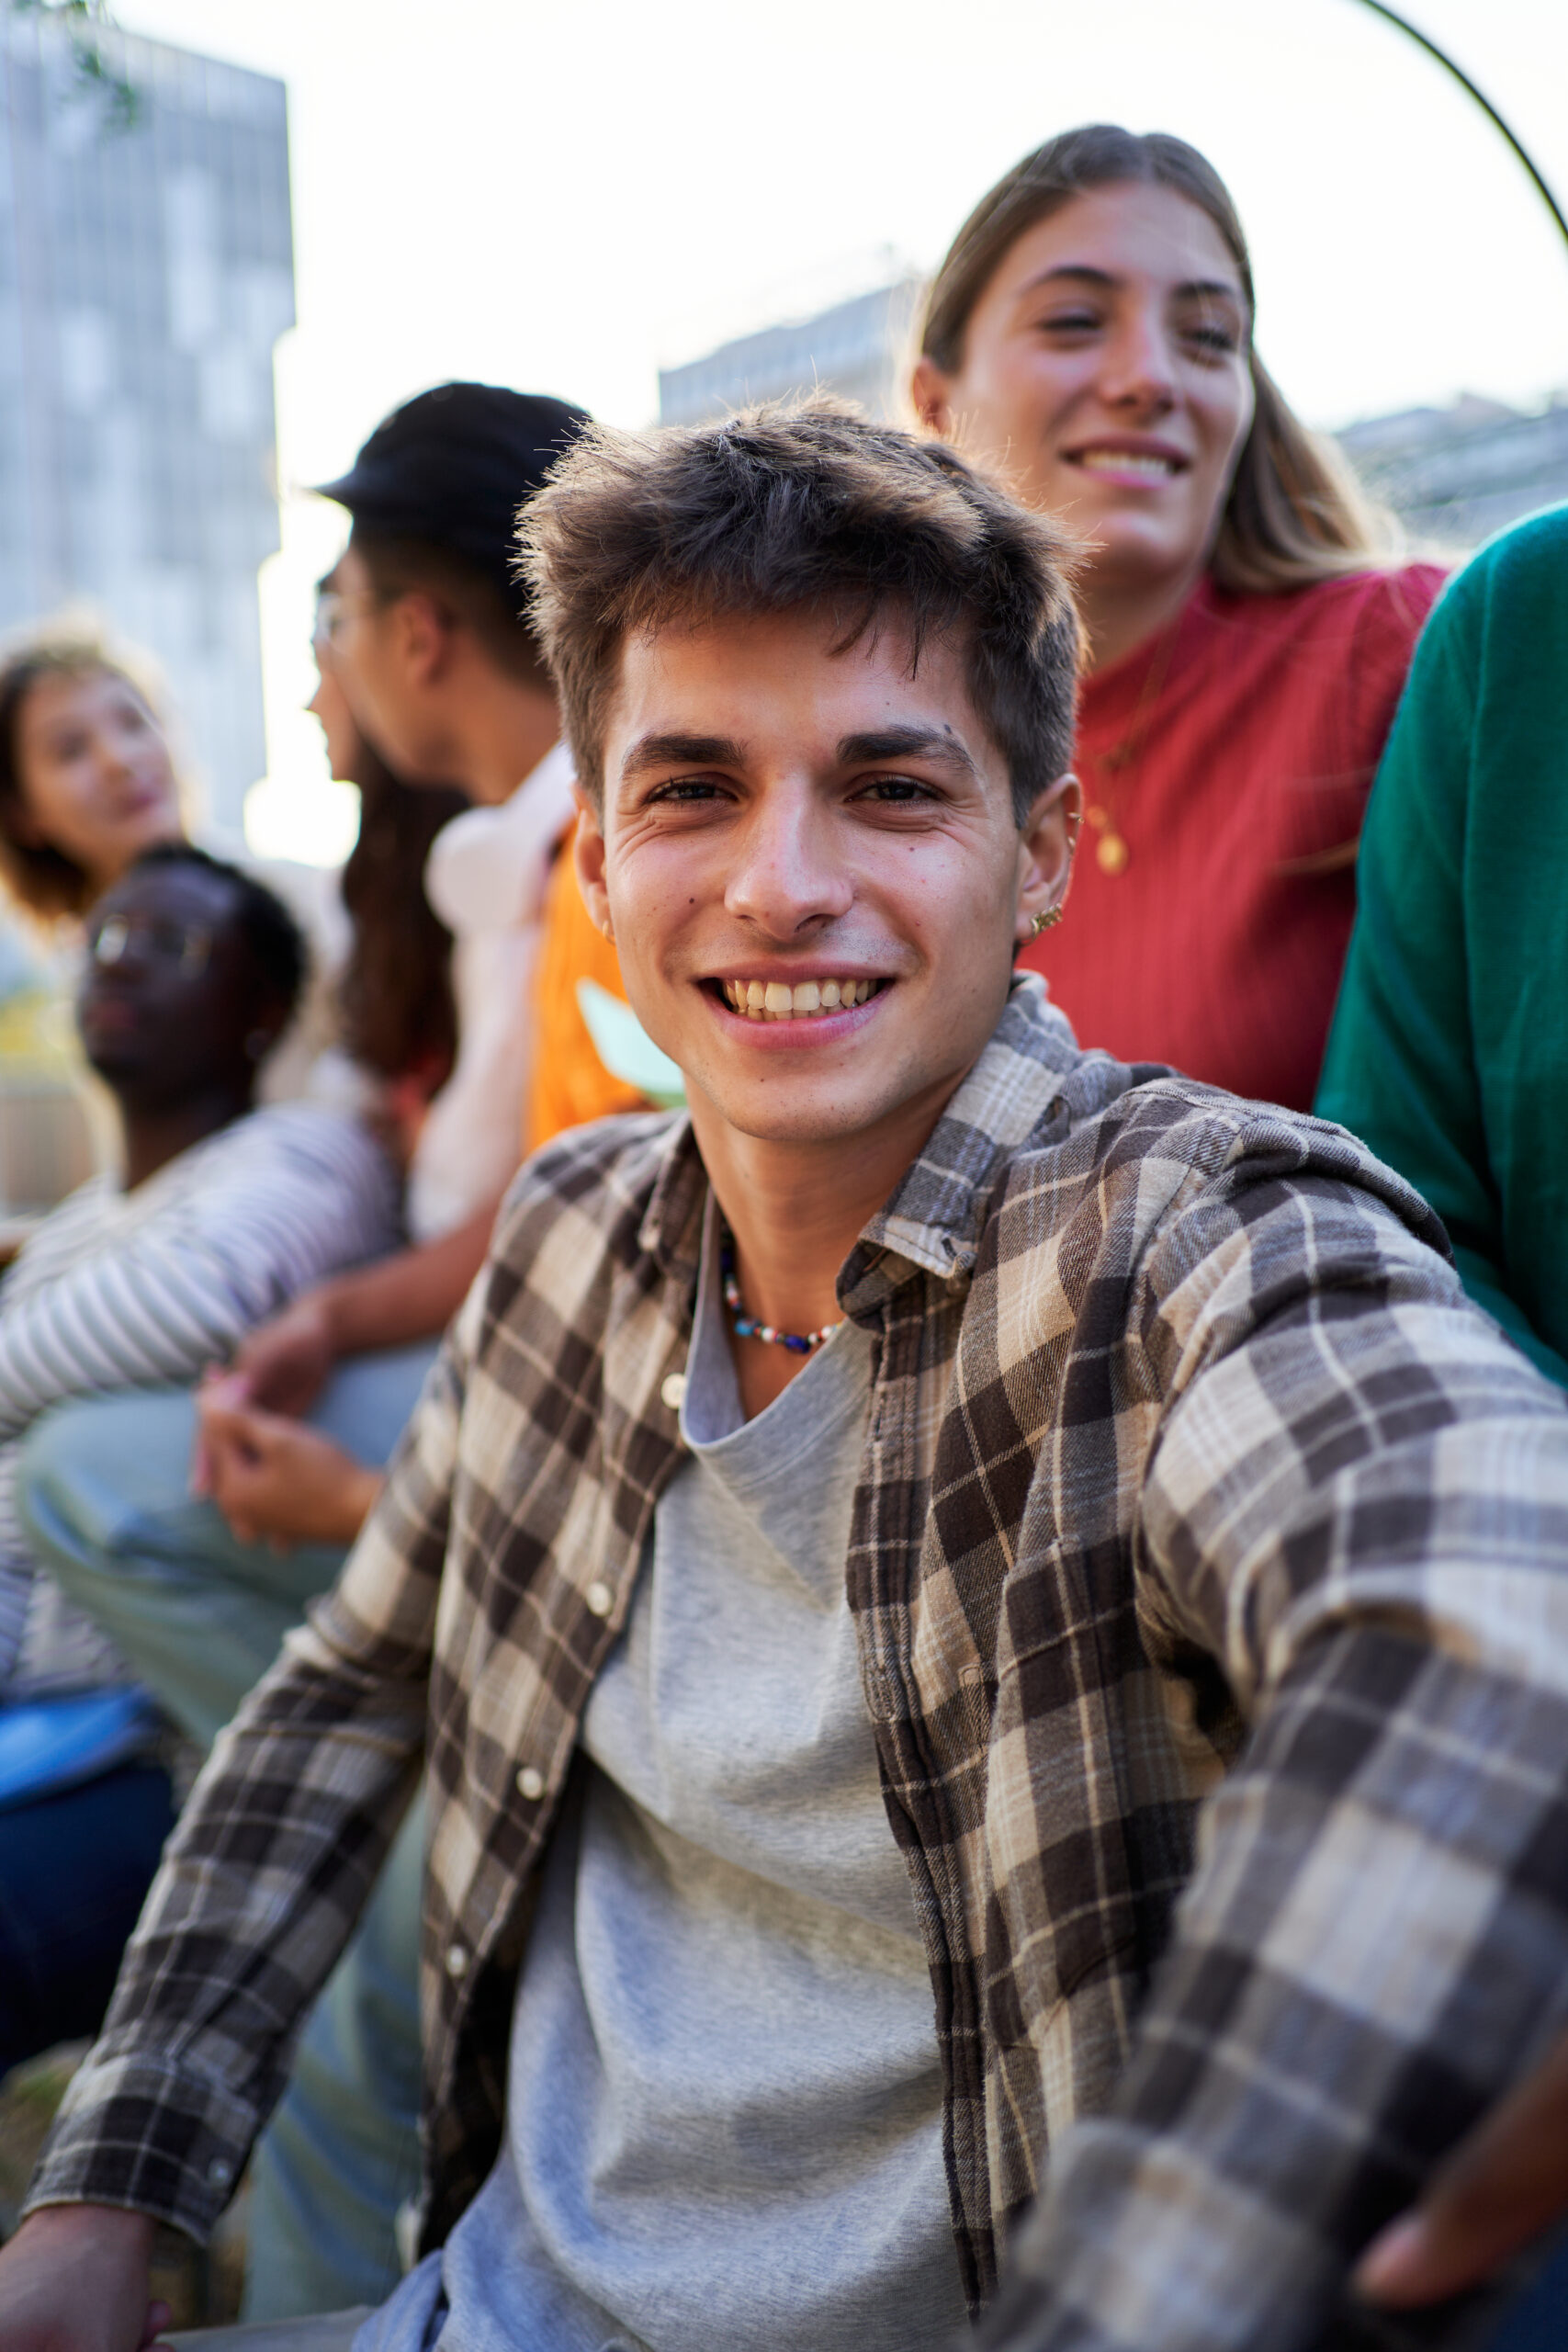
[851,1543]
[432,647]
[223,1213]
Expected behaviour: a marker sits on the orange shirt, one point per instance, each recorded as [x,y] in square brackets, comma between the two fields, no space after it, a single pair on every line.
[569,1083]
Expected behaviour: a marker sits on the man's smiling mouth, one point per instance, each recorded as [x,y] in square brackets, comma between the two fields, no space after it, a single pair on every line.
[805,1001]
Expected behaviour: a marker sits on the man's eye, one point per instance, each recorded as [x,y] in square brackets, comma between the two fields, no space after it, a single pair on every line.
[897,789]
[687,788]
[1070,323]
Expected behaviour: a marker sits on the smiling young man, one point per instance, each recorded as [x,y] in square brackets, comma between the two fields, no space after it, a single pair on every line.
[855,1539]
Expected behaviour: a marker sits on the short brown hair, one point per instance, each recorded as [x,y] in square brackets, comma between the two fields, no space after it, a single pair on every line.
[42,879]
[776,510]
[1294,513]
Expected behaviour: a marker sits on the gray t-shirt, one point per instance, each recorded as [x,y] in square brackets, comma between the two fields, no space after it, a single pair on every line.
[724,2105]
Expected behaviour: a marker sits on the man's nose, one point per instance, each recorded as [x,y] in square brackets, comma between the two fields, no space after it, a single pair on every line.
[791,870]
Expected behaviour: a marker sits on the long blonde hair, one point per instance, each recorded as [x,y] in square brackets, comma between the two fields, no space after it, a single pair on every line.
[1294,513]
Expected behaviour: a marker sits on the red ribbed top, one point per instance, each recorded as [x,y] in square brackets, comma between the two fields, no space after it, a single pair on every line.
[1254,738]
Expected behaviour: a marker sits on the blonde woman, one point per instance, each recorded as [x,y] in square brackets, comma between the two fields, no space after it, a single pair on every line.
[1091,336]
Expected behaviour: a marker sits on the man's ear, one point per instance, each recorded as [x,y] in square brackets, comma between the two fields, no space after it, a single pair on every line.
[422,630]
[1045,847]
[588,849]
[930,392]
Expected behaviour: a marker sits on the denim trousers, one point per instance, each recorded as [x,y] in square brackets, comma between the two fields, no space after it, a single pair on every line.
[74,1866]
[104,1494]
[1538,2320]
[334,2333]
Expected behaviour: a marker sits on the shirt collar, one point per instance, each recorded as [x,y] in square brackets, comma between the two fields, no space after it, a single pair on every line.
[934,1220]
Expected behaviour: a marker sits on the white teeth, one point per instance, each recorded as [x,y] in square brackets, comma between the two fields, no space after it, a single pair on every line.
[1127,462]
[777,1001]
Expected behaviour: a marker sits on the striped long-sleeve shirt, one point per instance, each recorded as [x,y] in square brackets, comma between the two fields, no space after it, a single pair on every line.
[141,1289]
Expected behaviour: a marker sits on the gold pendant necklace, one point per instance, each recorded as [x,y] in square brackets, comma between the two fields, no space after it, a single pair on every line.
[1112,854]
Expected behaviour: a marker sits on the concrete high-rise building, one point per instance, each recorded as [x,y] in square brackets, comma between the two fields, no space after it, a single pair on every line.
[146,273]
[855,349]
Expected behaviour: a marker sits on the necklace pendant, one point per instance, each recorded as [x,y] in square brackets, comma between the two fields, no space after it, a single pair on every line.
[1110,853]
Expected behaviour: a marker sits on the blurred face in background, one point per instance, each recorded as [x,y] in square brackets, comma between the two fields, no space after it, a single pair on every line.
[1105,376]
[172,999]
[329,705]
[96,779]
[380,651]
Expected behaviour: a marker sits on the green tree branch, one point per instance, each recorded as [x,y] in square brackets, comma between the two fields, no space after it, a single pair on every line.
[87,21]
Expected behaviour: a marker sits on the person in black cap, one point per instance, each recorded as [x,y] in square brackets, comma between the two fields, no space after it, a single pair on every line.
[427,637]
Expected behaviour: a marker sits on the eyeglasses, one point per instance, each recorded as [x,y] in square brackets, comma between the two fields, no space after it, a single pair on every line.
[334,607]
[187,944]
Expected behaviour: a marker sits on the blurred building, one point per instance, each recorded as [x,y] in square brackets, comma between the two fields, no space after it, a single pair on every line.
[1453,475]
[146,272]
[855,349]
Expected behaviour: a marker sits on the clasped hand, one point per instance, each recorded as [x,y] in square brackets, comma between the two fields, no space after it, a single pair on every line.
[274,1480]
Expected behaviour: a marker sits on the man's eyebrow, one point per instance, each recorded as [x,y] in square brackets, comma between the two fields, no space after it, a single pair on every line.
[1190,289]
[682,751]
[906,743]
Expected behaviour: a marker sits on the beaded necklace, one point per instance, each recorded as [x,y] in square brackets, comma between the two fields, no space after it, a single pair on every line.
[799,1343]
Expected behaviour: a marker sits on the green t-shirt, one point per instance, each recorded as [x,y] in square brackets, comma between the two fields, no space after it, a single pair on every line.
[1449,1048]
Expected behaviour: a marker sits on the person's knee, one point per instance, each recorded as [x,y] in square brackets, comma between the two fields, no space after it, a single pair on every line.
[54,1470]
[93,1473]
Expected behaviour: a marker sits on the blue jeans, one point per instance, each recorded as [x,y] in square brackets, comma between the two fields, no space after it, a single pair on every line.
[104,1495]
[1538,2320]
[75,1867]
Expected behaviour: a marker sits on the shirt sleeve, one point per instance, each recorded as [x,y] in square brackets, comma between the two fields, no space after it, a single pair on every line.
[1356,1500]
[272,1859]
[287,1198]
[1400,1069]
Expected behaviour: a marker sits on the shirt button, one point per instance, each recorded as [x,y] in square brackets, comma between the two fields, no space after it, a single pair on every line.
[531,1784]
[456,1962]
[600,1599]
[219,2173]
[674,1390]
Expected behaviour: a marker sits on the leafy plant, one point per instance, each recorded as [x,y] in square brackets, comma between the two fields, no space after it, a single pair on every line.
[87,21]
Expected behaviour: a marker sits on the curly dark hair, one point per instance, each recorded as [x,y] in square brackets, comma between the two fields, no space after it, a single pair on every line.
[273,941]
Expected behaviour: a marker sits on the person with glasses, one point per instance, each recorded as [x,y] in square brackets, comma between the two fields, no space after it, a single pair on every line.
[424,642]
[219,1213]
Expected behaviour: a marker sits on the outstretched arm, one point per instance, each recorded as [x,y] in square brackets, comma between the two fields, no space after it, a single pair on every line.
[1356,1501]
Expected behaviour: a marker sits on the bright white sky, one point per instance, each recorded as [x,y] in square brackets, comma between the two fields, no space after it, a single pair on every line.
[562,194]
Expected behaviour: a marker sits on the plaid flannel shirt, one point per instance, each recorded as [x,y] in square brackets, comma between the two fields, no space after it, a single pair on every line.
[1190,1473]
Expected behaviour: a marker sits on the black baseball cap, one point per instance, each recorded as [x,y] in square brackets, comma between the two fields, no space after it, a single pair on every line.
[454,465]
